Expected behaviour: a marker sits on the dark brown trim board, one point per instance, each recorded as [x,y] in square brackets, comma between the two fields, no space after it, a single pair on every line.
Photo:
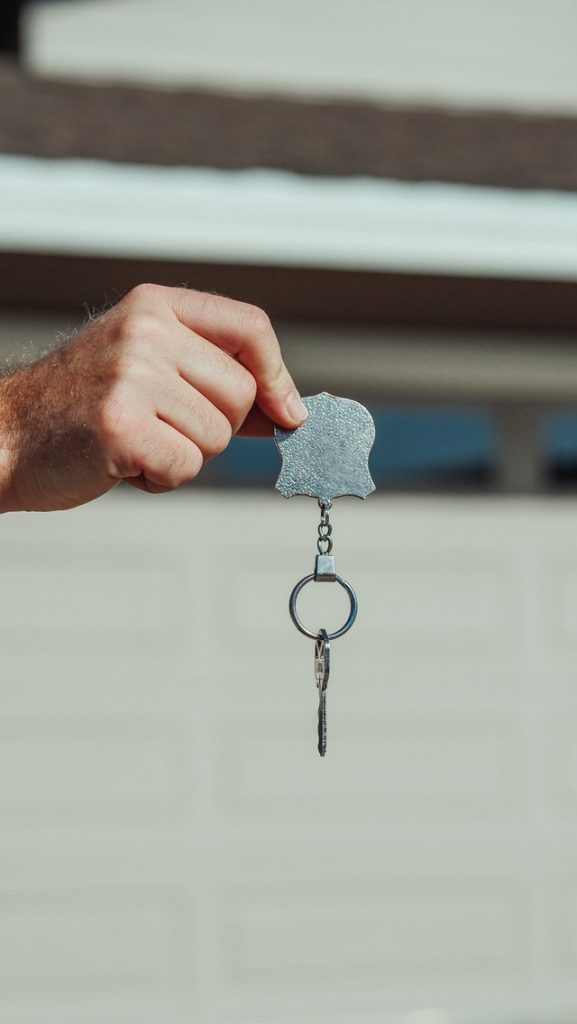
[71,283]
[46,117]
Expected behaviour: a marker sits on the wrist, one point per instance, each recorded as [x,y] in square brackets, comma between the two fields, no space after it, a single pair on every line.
[8,448]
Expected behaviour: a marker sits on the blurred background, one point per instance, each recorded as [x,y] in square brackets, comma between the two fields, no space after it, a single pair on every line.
[394,182]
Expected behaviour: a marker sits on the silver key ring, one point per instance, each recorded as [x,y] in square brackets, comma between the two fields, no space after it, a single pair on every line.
[338,632]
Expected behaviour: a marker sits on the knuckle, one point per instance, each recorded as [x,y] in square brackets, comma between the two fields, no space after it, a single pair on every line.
[111,421]
[201,299]
[221,435]
[246,389]
[166,477]
[143,293]
[203,302]
[130,368]
[194,464]
[163,478]
[278,376]
[241,392]
[183,467]
[136,327]
[257,320]
[175,468]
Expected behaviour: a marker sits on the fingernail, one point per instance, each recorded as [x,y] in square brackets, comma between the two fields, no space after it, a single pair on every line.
[296,408]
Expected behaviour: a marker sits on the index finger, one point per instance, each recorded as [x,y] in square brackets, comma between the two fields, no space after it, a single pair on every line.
[244,331]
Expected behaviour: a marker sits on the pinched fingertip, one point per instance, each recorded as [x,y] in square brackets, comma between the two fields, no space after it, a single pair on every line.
[296,410]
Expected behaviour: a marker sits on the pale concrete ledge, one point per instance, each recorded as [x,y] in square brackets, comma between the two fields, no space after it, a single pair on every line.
[382,364]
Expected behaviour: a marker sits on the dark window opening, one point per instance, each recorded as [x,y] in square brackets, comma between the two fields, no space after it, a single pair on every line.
[11,27]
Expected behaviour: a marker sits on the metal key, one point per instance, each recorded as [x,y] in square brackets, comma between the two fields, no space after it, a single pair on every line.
[326,458]
[322,671]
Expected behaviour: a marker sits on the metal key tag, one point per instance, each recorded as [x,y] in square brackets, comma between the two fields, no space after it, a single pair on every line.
[326,458]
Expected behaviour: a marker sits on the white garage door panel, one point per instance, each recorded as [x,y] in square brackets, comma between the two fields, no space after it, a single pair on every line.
[83,767]
[75,598]
[172,847]
[50,944]
[321,938]
[410,766]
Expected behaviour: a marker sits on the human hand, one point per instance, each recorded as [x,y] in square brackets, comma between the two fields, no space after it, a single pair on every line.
[146,393]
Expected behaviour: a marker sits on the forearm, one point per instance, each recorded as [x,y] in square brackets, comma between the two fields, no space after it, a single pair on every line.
[28,407]
[46,438]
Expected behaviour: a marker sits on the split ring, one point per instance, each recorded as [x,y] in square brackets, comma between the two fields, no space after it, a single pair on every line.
[338,632]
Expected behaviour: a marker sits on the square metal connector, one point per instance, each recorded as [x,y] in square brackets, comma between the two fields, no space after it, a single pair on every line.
[325,571]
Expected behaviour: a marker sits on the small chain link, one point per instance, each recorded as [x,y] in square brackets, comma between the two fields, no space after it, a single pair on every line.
[324,542]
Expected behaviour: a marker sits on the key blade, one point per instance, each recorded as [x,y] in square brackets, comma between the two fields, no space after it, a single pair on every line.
[322,744]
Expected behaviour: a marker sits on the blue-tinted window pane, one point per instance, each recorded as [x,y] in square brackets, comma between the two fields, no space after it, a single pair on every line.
[415,442]
[561,437]
[248,462]
[411,443]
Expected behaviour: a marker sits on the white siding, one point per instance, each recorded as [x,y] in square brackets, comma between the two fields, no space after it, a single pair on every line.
[500,53]
[272,218]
